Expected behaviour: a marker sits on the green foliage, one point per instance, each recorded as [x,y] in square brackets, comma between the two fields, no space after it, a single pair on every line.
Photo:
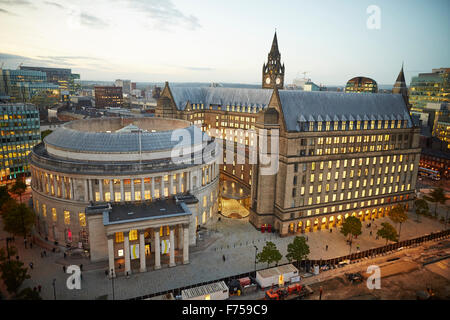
[19,187]
[269,254]
[18,219]
[298,249]
[45,133]
[398,214]
[4,195]
[28,294]
[421,207]
[351,226]
[13,273]
[437,196]
[387,232]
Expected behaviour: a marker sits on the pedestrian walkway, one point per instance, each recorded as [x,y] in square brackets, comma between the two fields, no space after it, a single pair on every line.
[234,238]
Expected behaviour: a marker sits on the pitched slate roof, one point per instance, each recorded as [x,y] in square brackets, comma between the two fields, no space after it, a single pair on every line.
[221,96]
[313,104]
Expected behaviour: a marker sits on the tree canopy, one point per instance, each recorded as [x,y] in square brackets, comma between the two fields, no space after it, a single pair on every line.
[421,207]
[45,133]
[437,196]
[398,214]
[13,273]
[351,226]
[4,195]
[269,254]
[387,232]
[298,249]
[18,219]
[18,188]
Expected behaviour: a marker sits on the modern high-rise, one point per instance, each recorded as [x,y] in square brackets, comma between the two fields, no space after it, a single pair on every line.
[22,85]
[108,96]
[125,85]
[430,87]
[20,132]
[338,154]
[64,78]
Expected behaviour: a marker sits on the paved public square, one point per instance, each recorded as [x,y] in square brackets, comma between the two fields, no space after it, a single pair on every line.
[233,238]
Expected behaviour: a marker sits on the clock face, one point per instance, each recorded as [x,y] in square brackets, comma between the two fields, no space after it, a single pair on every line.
[278,81]
[268,80]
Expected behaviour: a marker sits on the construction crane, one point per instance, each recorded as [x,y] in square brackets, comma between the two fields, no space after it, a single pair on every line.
[21,64]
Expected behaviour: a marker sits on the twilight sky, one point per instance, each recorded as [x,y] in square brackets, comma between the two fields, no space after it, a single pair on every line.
[225,41]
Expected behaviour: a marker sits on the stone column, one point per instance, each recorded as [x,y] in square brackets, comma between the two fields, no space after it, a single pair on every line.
[55,185]
[72,195]
[63,187]
[122,194]
[157,250]
[111,189]
[162,195]
[172,247]
[153,188]
[111,256]
[170,184]
[180,180]
[100,189]
[303,226]
[142,189]
[180,237]
[186,243]
[132,190]
[91,192]
[126,245]
[86,191]
[142,251]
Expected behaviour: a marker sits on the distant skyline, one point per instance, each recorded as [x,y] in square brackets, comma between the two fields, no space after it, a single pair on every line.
[225,41]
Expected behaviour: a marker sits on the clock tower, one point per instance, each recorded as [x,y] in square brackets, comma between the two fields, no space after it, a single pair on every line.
[273,71]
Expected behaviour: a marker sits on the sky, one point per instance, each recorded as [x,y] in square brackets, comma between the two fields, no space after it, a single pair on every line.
[226,41]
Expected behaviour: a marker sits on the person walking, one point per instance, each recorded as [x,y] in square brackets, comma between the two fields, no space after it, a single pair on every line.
[81,267]
[45,253]
[223,258]
[64,269]
[65,255]
[39,288]
[370,232]
[31,245]
[31,265]
[326,248]
[331,230]
[25,243]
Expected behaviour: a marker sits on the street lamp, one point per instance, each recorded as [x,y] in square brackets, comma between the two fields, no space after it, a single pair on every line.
[256,253]
[112,282]
[54,288]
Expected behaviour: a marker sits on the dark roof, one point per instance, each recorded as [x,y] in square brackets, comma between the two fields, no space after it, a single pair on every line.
[436,153]
[121,213]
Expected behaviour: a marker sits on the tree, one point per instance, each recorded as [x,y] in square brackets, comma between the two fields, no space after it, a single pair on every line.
[4,195]
[18,219]
[28,294]
[19,188]
[13,273]
[269,254]
[351,227]
[399,215]
[421,207]
[45,133]
[388,232]
[436,196]
[298,249]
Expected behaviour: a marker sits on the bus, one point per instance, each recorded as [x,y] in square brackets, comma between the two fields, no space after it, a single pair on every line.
[432,174]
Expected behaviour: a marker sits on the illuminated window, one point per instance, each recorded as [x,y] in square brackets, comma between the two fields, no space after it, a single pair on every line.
[67,217]
[118,196]
[44,210]
[119,237]
[82,219]
[133,235]
[54,216]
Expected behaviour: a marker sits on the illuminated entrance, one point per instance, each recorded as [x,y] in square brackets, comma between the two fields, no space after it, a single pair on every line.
[234,200]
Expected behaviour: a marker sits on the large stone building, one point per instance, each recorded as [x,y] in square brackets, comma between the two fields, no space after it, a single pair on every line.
[112,187]
[339,154]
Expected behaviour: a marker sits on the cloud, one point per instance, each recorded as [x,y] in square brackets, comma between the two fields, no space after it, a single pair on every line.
[164,14]
[54,4]
[7,12]
[198,68]
[16,2]
[91,21]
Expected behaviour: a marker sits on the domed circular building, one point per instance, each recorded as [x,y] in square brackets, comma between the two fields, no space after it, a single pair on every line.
[120,189]
[361,84]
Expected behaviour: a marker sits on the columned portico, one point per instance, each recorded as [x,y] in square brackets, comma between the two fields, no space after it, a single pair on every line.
[186,243]
[126,245]
[172,247]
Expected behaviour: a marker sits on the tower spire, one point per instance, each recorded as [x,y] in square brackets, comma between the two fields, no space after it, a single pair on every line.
[274,50]
[400,86]
[273,71]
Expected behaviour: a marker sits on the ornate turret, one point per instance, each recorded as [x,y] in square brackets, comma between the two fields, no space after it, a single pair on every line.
[273,71]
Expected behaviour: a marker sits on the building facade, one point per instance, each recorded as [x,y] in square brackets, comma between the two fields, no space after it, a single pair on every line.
[62,77]
[339,154]
[20,132]
[107,96]
[430,87]
[22,85]
[110,184]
